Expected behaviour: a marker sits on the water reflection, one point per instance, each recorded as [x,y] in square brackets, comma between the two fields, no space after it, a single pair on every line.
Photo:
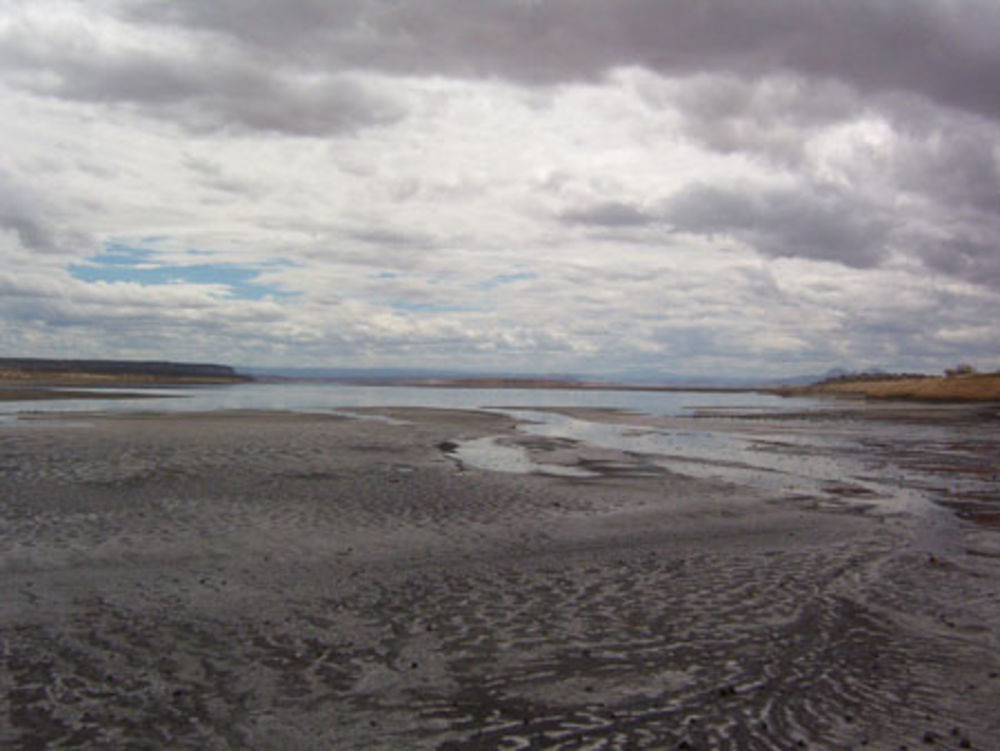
[327,397]
[808,447]
[864,461]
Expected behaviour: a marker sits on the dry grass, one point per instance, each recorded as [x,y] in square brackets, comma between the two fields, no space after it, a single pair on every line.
[969,388]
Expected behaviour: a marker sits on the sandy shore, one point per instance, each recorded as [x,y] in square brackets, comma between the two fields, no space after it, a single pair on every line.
[274,581]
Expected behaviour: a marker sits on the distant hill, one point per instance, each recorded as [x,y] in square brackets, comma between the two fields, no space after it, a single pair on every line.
[972,387]
[80,371]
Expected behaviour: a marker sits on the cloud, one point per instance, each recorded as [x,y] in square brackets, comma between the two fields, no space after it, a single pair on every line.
[943,51]
[964,255]
[609,214]
[35,221]
[814,223]
[198,80]
[562,185]
[955,162]
[775,116]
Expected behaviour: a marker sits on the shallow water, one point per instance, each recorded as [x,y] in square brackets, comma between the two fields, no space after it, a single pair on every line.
[789,447]
[869,463]
[489,453]
[327,397]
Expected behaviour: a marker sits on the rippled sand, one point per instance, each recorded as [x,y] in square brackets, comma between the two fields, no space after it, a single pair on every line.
[271,581]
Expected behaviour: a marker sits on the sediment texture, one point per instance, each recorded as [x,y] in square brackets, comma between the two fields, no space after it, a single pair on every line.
[253,581]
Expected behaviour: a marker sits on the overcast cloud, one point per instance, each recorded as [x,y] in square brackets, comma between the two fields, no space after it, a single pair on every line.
[762,187]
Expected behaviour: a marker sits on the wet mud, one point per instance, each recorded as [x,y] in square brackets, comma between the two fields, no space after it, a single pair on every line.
[275,581]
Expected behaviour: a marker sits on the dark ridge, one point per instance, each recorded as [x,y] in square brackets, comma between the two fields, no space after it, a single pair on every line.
[876,375]
[162,369]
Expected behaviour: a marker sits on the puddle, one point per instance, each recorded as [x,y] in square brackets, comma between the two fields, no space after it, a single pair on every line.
[489,454]
[370,417]
[894,467]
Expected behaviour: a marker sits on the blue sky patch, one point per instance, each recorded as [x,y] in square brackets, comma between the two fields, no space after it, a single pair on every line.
[122,255]
[121,263]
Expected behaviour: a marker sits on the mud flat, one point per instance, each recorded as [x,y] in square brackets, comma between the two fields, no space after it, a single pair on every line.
[279,581]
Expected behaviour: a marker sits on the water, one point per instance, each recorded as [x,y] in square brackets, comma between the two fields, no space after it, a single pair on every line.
[333,397]
[817,460]
[814,448]
[489,453]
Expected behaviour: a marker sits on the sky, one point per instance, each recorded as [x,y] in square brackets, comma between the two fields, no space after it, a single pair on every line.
[752,188]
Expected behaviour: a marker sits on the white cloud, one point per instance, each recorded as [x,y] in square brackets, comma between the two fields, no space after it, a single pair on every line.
[541,192]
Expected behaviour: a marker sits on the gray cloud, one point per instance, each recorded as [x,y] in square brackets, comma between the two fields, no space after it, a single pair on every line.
[956,164]
[936,172]
[950,169]
[774,116]
[609,214]
[35,221]
[393,239]
[30,233]
[965,255]
[203,85]
[944,51]
[936,330]
[822,224]
[16,215]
